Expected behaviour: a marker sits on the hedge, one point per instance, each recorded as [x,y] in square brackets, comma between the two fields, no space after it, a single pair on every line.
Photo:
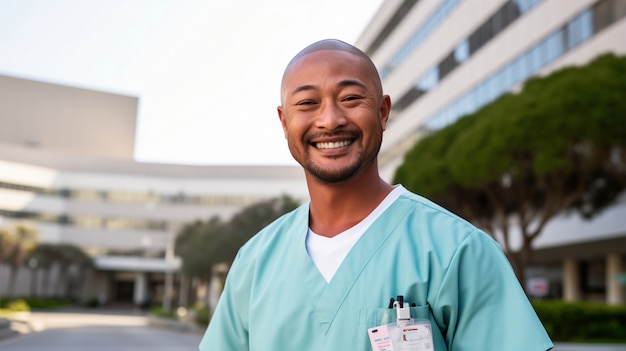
[583,321]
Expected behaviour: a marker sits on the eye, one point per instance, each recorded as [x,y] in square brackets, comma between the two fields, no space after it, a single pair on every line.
[306,104]
[351,98]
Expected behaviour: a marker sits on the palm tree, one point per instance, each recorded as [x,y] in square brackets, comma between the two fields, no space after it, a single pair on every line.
[16,244]
[70,256]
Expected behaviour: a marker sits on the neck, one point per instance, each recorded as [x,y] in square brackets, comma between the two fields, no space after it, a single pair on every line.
[338,207]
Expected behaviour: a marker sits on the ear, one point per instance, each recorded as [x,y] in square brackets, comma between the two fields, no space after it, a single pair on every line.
[283,121]
[385,109]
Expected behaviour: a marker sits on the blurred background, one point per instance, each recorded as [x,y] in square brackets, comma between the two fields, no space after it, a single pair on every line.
[132,173]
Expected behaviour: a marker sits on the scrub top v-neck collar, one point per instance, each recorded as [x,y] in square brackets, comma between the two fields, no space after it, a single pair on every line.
[328,298]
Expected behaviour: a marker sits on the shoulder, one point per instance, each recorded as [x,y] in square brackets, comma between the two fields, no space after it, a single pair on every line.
[433,227]
[437,217]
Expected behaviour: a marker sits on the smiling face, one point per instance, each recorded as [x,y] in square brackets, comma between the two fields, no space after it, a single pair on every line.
[333,113]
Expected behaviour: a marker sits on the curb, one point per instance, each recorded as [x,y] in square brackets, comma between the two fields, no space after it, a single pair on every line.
[172,324]
[5,329]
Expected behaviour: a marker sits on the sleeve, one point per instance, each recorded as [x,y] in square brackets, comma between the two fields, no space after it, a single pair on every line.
[482,303]
[228,327]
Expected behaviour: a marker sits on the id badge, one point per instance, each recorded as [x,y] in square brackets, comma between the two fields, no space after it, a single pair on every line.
[415,335]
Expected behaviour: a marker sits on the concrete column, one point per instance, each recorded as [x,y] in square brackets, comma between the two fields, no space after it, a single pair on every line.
[140,289]
[571,280]
[614,291]
[167,293]
[183,291]
[169,275]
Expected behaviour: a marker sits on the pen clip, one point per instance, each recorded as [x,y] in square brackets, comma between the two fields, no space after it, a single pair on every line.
[403,313]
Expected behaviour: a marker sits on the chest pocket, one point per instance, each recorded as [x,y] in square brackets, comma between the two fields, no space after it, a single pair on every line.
[373,317]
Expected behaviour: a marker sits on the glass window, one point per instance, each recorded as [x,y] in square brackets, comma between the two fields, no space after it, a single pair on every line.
[555,45]
[429,80]
[602,15]
[503,81]
[580,29]
[535,53]
[586,25]
[543,53]
[515,71]
[507,77]
[419,35]
[464,103]
[461,52]
[471,102]
[398,16]
[447,65]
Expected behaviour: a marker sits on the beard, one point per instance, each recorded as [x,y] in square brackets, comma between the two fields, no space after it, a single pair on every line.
[337,175]
[333,176]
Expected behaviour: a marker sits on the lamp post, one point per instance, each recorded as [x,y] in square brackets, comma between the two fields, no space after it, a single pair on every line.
[169,273]
[33,264]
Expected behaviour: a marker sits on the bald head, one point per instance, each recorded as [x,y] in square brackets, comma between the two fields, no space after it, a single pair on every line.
[337,45]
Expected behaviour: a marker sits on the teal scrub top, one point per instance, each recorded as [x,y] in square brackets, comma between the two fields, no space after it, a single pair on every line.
[276,299]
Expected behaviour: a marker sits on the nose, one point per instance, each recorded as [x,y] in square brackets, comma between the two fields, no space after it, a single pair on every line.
[331,116]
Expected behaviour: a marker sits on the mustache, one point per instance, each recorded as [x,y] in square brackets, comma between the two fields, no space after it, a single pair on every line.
[349,134]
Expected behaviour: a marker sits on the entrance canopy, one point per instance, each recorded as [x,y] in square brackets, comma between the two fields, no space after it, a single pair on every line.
[137,264]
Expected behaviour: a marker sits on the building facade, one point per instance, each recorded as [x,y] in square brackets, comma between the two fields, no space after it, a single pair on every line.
[66,154]
[67,170]
[442,59]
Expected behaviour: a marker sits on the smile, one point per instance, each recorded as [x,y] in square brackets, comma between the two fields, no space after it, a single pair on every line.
[333,144]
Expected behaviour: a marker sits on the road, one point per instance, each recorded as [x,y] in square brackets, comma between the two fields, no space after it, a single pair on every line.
[127,331]
[103,331]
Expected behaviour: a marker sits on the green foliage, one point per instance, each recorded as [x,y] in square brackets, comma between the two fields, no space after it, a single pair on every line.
[63,254]
[159,312]
[202,315]
[582,321]
[557,123]
[17,305]
[202,244]
[558,145]
[16,243]
[48,303]
[194,246]
[26,304]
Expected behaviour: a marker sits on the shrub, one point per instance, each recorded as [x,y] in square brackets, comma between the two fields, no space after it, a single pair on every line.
[47,303]
[17,305]
[202,315]
[159,312]
[582,321]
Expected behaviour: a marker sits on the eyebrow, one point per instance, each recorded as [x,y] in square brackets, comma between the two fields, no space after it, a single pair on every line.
[342,84]
[352,82]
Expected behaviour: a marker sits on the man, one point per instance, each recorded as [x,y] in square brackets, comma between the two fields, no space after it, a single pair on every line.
[321,277]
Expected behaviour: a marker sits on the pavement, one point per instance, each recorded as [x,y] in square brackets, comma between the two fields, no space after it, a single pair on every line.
[24,326]
[564,346]
[5,329]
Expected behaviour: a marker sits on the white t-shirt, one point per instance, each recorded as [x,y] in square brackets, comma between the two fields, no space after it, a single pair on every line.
[328,253]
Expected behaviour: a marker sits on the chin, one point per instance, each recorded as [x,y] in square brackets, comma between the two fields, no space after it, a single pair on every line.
[334,176]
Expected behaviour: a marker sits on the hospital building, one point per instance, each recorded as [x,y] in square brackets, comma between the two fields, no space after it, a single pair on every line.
[67,166]
[442,59]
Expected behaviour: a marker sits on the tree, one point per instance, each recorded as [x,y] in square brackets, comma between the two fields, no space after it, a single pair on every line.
[6,244]
[15,245]
[196,248]
[201,245]
[63,256]
[557,146]
[46,255]
[68,256]
[250,221]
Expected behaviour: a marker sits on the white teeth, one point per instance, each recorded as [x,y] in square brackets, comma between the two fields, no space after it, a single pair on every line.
[333,144]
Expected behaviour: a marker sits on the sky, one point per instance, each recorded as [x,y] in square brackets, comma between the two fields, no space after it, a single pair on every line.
[206,72]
